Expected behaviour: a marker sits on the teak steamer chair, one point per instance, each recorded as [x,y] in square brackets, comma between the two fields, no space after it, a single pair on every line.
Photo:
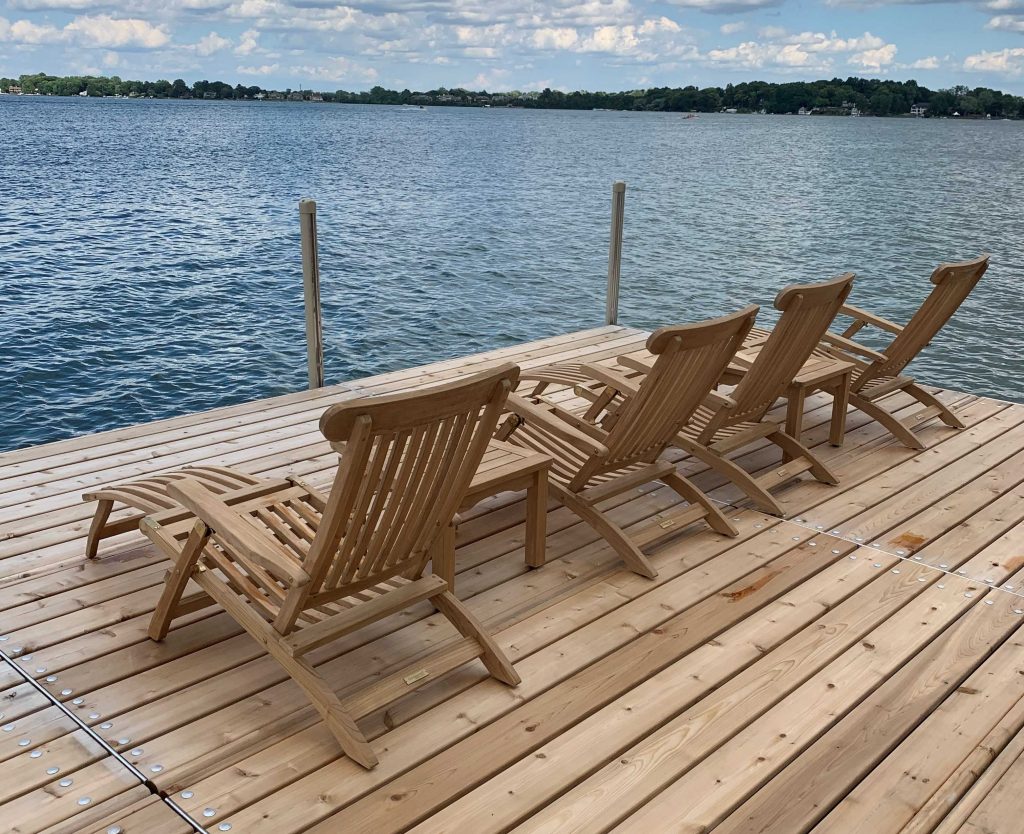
[298,569]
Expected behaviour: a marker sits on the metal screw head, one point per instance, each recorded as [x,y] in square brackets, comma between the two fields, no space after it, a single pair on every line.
[66,692]
[78,701]
[24,742]
[796,538]
[209,812]
[922,579]
[940,585]
[85,800]
[124,741]
[989,602]
[66,782]
[835,552]
[35,754]
[968,594]
[138,751]
[156,768]
[812,544]
[943,566]
[187,794]
[40,670]
[224,826]
[7,728]
[93,716]
[1018,610]
[877,565]
[895,570]
[52,771]
[106,725]
[115,829]
[901,553]
[4,638]
[51,678]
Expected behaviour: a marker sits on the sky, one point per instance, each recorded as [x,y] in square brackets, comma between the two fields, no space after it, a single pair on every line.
[517,44]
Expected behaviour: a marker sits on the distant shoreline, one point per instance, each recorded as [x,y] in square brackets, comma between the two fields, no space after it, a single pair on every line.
[852,97]
[722,112]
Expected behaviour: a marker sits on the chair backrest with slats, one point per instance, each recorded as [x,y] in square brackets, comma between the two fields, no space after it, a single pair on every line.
[407,465]
[807,312]
[690,361]
[953,283]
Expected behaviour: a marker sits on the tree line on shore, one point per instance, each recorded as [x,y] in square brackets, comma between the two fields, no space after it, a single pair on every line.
[837,96]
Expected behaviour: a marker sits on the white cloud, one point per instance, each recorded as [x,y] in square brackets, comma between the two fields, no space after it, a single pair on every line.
[1005,61]
[726,6]
[265,69]
[555,37]
[929,63]
[808,51]
[732,28]
[248,42]
[211,44]
[339,70]
[873,60]
[1006,23]
[26,32]
[111,59]
[106,31]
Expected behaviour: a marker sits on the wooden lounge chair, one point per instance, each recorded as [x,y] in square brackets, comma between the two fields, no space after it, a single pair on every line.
[879,373]
[298,569]
[723,424]
[590,464]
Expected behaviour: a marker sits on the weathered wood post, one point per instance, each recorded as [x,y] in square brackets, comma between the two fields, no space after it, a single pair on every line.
[611,315]
[311,288]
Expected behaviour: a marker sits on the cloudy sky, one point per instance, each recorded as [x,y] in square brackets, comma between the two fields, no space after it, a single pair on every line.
[517,44]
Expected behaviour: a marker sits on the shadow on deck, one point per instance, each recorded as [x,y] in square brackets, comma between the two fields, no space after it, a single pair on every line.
[857,668]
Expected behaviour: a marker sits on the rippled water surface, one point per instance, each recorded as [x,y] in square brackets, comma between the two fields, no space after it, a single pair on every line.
[149,252]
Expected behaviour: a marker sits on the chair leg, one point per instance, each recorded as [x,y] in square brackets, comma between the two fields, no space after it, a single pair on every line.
[876,412]
[715,519]
[947,416]
[177,579]
[469,626]
[442,556]
[795,449]
[99,522]
[324,699]
[609,531]
[735,473]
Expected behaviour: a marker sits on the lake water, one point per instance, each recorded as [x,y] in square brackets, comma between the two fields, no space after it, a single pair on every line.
[149,251]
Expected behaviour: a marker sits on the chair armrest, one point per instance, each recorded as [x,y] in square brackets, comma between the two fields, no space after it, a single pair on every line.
[642,366]
[850,346]
[720,402]
[530,413]
[237,531]
[612,379]
[870,318]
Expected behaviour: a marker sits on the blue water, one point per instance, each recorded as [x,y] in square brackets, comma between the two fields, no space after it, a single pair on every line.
[149,252]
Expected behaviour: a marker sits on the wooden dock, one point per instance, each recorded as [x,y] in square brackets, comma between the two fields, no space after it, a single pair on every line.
[856,668]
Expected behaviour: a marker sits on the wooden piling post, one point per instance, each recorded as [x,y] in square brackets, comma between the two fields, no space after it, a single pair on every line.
[615,253]
[311,288]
